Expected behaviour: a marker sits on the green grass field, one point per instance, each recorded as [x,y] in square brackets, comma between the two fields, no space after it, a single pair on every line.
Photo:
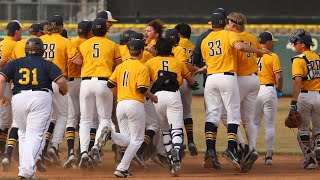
[285,142]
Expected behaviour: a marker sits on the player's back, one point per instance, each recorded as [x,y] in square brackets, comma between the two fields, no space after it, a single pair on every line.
[187,45]
[6,47]
[73,72]
[170,64]
[125,55]
[268,65]
[33,73]
[58,50]
[19,49]
[218,51]
[180,54]
[98,55]
[131,75]
[246,62]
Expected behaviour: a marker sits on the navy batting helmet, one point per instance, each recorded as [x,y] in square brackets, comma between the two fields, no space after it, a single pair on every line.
[34,47]
[301,36]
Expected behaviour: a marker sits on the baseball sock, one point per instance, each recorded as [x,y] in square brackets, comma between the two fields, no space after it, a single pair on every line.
[48,137]
[70,135]
[232,136]
[188,124]
[211,136]
[3,140]
[93,132]
[148,136]
[12,141]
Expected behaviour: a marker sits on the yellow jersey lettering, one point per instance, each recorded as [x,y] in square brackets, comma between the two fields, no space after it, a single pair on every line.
[26,76]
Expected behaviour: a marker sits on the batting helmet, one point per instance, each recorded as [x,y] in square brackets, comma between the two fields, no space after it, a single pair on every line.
[124,37]
[301,36]
[34,47]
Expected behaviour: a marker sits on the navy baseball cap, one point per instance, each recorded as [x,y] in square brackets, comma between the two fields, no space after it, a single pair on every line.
[35,28]
[13,26]
[222,11]
[55,20]
[136,45]
[106,15]
[267,36]
[126,35]
[218,19]
[98,24]
[84,27]
[169,33]
[136,36]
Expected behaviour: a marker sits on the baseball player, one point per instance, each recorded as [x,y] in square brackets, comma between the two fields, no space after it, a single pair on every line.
[167,73]
[18,52]
[152,32]
[107,16]
[74,80]
[124,39]
[130,81]
[249,85]
[97,65]
[59,50]
[306,95]
[186,93]
[219,50]
[31,101]
[270,75]
[14,33]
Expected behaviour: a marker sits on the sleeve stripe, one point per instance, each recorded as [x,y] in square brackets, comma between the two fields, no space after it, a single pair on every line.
[114,83]
[187,74]
[74,57]
[7,79]
[276,71]
[143,86]
[57,78]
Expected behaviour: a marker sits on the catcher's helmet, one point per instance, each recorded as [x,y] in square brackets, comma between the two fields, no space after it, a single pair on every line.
[301,36]
[34,47]
[172,34]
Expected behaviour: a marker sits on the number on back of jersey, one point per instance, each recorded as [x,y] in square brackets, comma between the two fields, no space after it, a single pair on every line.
[49,51]
[215,48]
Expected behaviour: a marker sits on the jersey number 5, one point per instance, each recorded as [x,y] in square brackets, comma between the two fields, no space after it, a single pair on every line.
[26,76]
[96,49]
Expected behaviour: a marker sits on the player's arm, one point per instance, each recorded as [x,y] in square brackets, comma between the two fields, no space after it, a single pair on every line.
[5,76]
[63,85]
[4,62]
[279,80]
[146,92]
[78,60]
[246,48]
[56,76]
[112,82]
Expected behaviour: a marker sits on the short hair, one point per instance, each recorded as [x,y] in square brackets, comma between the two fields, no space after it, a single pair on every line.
[50,29]
[157,25]
[184,30]
[164,47]
[238,19]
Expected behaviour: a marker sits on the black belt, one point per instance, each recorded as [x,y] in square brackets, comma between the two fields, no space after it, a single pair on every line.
[306,91]
[99,78]
[42,89]
[268,85]
[226,73]
[70,79]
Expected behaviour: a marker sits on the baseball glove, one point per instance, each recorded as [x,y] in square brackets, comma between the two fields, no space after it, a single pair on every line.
[293,120]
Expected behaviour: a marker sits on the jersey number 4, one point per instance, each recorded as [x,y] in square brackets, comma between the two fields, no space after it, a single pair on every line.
[215,48]
[25,80]
[259,64]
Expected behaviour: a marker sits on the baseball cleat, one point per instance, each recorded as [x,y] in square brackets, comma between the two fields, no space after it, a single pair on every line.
[116,151]
[104,137]
[96,154]
[160,159]
[176,165]
[70,161]
[232,158]
[53,153]
[310,164]
[193,149]
[140,161]
[40,165]
[5,163]
[317,153]
[84,161]
[47,159]
[268,160]
[249,161]
[122,174]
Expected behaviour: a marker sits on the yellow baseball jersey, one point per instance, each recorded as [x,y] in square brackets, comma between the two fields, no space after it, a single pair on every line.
[106,36]
[72,68]
[180,54]
[7,46]
[99,55]
[299,69]
[268,66]
[128,77]
[19,49]
[187,45]
[247,62]
[125,55]
[218,52]
[169,63]
[59,50]
[151,43]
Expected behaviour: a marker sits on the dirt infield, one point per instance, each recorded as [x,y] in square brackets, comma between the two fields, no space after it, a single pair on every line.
[284,167]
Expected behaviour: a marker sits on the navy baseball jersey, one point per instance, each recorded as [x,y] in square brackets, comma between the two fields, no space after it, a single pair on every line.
[31,72]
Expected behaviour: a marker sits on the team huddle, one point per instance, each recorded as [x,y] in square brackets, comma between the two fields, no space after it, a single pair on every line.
[138,94]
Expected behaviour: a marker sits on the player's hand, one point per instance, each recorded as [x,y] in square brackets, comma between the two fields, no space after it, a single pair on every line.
[194,87]
[202,70]
[279,94]
[154,99]
[293,106]
[3,62]
[4,101]
[151,50]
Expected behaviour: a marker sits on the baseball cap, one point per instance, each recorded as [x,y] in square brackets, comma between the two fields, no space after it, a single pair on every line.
[125,36]
[173,32]
[106,15]
[135,45]
[35,28]
[64,33]
[220,10]
[84,27]
[218,19]
[136,36]
[99,27]
[267,36]
[55,20]
[13,26]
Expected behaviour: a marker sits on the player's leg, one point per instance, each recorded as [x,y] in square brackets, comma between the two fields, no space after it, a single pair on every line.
[315,116]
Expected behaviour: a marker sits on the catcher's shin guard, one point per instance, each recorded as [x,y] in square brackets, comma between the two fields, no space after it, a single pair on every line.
[304,142]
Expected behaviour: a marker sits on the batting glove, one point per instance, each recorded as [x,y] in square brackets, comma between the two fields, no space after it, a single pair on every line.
[279,93]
